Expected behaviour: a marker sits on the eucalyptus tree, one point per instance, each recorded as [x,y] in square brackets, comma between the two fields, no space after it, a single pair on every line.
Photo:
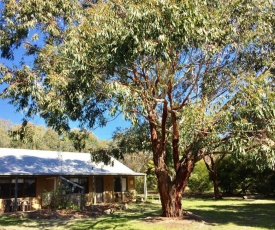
[26,136]
[82,140]
[243,127]
[52,141]
[5,138]
[30,136]
[155,61]
[212,163]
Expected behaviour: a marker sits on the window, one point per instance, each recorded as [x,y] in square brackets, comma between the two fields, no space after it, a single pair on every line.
[82,181]
[117,184]
[120,184]
[26,187]
[5,188]
[29,187]
[20,187]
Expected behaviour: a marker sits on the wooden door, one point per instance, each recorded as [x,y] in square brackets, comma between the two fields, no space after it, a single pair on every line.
[99,189]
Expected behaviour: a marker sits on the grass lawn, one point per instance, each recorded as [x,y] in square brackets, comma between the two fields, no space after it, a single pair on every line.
[224,214]
[234,213]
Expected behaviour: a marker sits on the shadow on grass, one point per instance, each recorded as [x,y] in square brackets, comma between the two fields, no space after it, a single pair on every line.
[259,215]
[120,219]
[12,221]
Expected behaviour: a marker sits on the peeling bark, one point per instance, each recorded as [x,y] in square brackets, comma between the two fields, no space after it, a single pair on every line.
[171,190]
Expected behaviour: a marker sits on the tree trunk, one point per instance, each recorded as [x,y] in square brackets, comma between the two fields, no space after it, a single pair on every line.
[171,191]
[217,194]
[170,187]
[212,168]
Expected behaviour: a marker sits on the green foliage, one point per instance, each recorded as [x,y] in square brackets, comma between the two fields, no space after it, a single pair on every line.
[60,199]
[83,140]
[139,183]
[199,181]
[52,140]
[30,136]
[151,177]
[87,59]
[241,126]
[128,143]
[244,176]
[96,59]
[5,139]
[130,195]
[134,139]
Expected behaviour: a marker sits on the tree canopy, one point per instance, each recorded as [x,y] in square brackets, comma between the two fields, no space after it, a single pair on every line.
[167,62]
[31,136]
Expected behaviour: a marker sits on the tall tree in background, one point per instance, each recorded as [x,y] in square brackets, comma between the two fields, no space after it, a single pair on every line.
[243,126]
[28,136]
[212,163]
[5,138]
[31,136]
[156,61]
[52,140]
[83,140]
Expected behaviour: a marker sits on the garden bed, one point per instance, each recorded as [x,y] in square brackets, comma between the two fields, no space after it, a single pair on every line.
[90,211]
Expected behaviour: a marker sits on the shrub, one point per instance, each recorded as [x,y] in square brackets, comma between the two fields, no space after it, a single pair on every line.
[61,199]
[199,180]
[241,176]
[151,177]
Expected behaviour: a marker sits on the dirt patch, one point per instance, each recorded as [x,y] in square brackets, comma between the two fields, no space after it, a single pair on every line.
[186,216]
[188,219]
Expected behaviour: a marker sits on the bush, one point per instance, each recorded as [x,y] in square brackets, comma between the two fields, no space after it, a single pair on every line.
[139,184]
[130,195]
[199,181]
[61,199]
[242,176]
[152,184]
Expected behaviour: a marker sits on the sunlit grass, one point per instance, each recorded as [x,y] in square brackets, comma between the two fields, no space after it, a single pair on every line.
[237,213]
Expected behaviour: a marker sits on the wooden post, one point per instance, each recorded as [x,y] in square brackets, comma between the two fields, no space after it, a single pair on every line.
[82,205]
[15,195]
[145,188]
[94,191]
[121,188]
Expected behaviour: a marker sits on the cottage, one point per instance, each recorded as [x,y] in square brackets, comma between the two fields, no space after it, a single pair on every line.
[25,175]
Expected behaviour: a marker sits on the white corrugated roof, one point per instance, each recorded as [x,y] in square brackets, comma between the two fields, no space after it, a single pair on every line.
[40,162]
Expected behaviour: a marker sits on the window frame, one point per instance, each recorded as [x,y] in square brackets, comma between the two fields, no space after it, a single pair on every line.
[21,189]
[116,179]
[77,180]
